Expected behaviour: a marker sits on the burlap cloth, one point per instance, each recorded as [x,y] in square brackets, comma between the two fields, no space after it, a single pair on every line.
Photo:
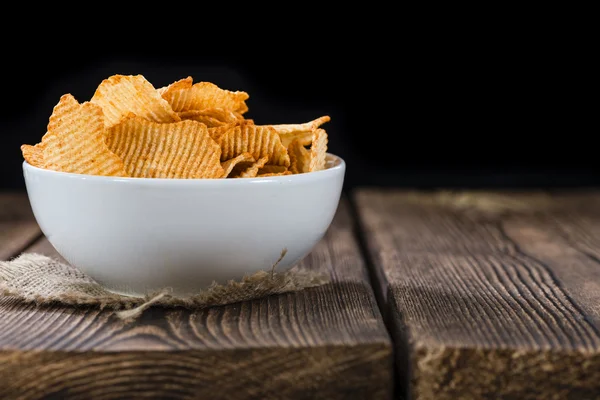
[39,279]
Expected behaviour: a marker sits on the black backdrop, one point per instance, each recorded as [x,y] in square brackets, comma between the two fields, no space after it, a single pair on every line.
[445,114]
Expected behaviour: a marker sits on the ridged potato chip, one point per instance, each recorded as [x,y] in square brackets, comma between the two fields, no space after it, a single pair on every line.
[299,157]
[121,95]
[260,141]
[286,172]
[216,132]
[318,150]
[230,164]
[303,160]
[248,170]
[75,140]
[182,130]
[212,117]
[34,155]
[170,150]
[272,169]
[303,132]
[184,83]
[304,137]
[203,95]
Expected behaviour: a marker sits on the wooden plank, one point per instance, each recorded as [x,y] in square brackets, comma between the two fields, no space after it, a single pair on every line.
[489,304]
[323,343]
[17,224]
[43,246]
[568,245]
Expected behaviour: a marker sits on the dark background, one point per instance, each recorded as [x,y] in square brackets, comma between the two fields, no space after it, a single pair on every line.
[455,108]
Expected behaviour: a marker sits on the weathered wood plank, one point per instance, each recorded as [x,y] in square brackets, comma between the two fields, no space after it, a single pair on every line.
[17,224]
[43,246]
[489,302]
[568,245]
[323,343]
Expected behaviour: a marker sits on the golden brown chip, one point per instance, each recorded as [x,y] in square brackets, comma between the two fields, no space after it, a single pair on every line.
[289,132]
[169,150]
[242,170]
[120,95]
[299,157]
[34,155]
[216,132]
[318,150]
[212,117]
[184,83]
[275,174]
[196,115]
[303,160]
[272,169]
[203,95]
[182,130]
[75,140]
[304,137]
[230,164]
[306,126]
[260,141]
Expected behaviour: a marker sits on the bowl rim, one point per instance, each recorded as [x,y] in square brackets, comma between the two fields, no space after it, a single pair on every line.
[338,167]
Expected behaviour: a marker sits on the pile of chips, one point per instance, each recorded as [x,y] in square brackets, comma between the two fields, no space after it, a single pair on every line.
[184,130]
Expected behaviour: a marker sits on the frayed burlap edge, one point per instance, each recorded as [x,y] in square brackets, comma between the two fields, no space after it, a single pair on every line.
[35,278]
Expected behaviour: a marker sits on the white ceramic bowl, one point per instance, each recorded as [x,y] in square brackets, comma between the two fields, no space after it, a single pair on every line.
[137,235]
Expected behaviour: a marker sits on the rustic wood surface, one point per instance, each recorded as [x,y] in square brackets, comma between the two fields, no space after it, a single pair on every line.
[17,224]
[322,343]
[488,297]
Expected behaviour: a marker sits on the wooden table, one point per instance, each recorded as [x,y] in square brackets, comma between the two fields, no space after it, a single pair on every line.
[433,297]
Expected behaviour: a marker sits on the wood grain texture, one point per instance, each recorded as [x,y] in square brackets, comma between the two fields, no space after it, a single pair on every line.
[484,304]
[322,343]
[17,224]
[43,246]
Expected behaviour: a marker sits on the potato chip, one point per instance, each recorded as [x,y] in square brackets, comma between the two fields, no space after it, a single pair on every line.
[303,132]
[243,170]
[260,141]
[34,155]
[272,169]
[75,140]
[216,132]
[229,164]
[286,172]
[120,95]
[318,150]
[306,126]
[299,157]
[203,95]
[181,130]
[304,137]
[184,83]
[303,160]
[169,150]
[212,117]
[196,115]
